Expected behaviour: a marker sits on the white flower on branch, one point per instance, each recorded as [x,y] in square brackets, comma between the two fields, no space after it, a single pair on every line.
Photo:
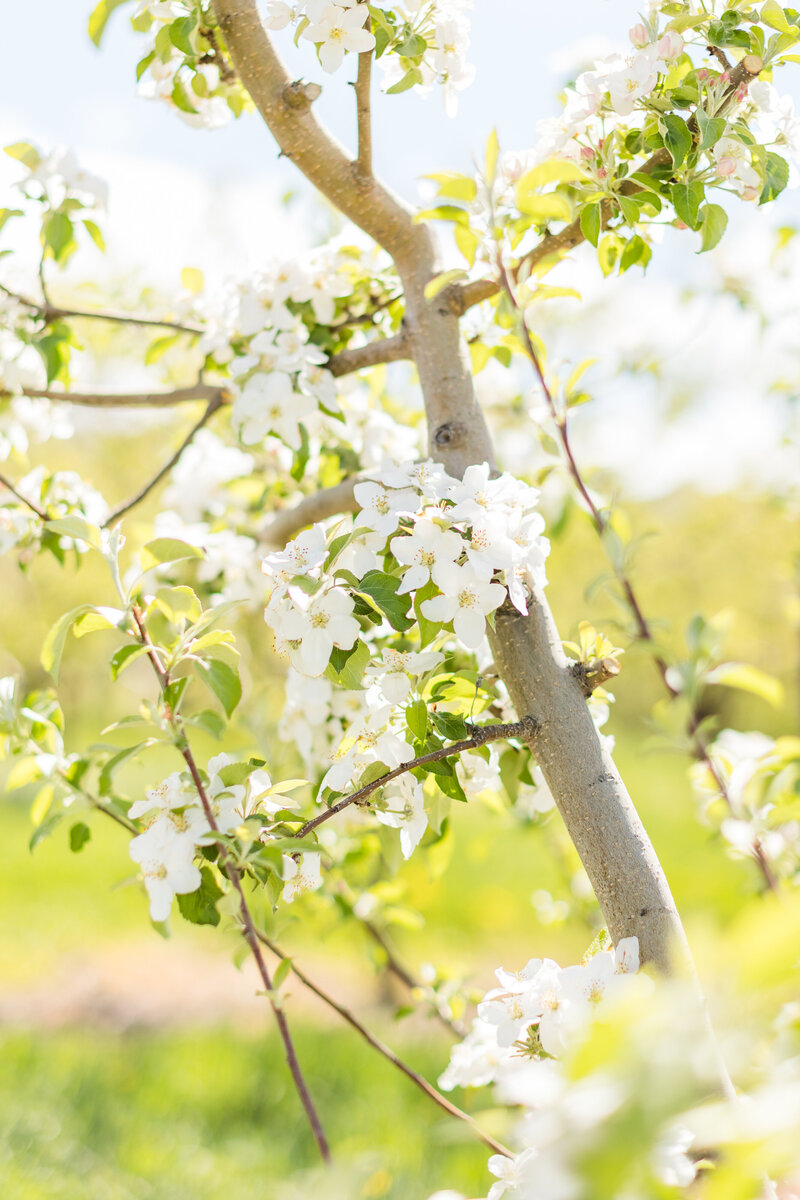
[427,547]
[270,404]
[405,811]
[467,601]
[393,673]
[301,875]
[340,31]
[315,624]
[381,508]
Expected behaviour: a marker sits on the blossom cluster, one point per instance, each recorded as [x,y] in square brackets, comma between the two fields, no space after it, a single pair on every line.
[176,828]
[61,494]
[418,43]
[184,66]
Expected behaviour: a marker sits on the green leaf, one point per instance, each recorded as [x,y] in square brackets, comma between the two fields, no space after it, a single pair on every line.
[180,34]
[453,186]
[44,830]
[629,207]
[223,681]
[412,76]
[451,787]
[95,233]
[677,138]
[283,970]
[301,456]
[119,759]
[25,153]
[686,200]
[417,719]
[773,15]
[714,224]
[552,207]
[98,619]
[777,177]
[427,629]
[347,666]
[209,721]
[591,222]
[383,590]
[79,835]
[53,647]
[414,46]
[59,234]
[636,251]
[440,282]
[122,657]
[158,348]
[200,906]
[450,726]
[711,129]
[444,212]
[7,213]
[748,679]
[99,18]
[76,527]
[492,155]
[164,550]
[554,170]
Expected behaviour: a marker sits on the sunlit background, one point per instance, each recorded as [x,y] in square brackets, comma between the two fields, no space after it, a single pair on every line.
[139,1068]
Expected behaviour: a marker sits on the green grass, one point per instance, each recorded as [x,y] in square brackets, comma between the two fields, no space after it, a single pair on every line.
[190,1117]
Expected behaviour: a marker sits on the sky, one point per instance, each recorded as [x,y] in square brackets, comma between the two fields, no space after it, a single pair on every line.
[183,197]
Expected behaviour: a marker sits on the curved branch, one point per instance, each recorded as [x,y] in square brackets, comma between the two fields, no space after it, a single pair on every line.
[212,407]
[323,161]
[197,391]
[317,507]
[418,1080]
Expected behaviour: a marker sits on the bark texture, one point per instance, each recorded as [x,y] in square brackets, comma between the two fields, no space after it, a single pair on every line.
[599,814]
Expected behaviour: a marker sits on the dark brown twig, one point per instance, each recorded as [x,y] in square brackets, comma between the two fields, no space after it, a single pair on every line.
[484,733]
[418,1080]
[10,487]
[213,406]
[249,931]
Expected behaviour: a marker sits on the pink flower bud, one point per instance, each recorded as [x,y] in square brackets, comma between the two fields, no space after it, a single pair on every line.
[679,224]
[587,152]
[638,36]
[725,77]
[751,192]
[741,91]
[670,46]
[703,74]
[601,173]
[726,165]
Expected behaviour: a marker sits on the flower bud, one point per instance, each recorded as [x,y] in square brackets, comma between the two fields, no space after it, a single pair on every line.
[726,165]
[751,192]
[638,35]
[670,46]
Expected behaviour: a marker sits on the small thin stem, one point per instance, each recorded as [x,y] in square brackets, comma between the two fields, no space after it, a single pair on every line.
[213,405]
[249,930]
[54,312]
[486,733]
[196,391]
[363,163]
[418,1080]
[9,486]
[644,632]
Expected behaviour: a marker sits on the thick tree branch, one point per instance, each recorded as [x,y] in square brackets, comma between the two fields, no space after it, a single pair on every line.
[322,160]
[381,350]
[212,407]
[418,1080]
[184,395]
[482,736]
[316,507]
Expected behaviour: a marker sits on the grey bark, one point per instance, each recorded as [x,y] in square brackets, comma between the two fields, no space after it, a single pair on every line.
[601,819]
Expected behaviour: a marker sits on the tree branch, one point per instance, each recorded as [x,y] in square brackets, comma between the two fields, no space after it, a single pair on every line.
[381,350]
[463,296]
[197,391]
[213,405]
[418,1080]
[249,931]
[10,487]
[316,507]
[483,735]
[323,161]
[363,163]
[53,312]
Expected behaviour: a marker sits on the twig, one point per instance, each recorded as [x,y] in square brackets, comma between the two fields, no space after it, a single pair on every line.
[644,632]
[248,927]
[197,391]
[363,164]
[9,486]
[389,1054]
[593,675]
[53,312]
[484,733]
[213,406]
